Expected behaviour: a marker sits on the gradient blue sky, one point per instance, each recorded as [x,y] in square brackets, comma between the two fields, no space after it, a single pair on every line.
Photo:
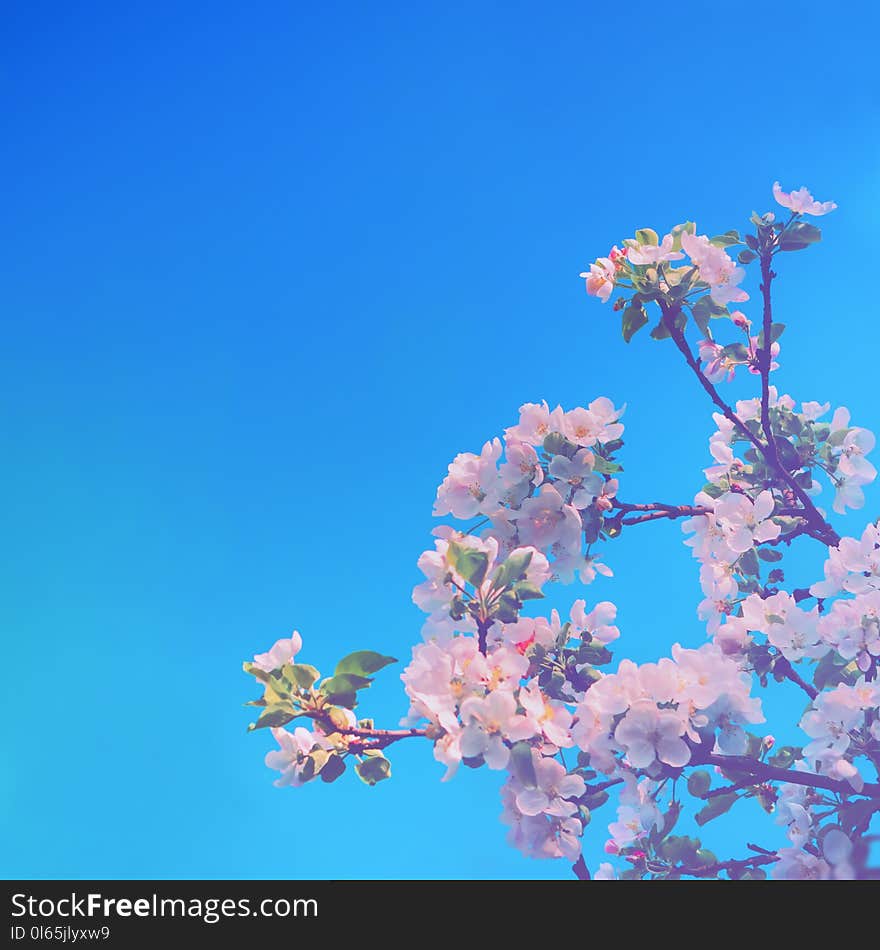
[267,269]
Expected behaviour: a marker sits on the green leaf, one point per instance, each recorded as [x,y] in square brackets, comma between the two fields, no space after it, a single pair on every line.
[736,351]
[374,769]
[799,235]
[592,522]
[604,466]
[748,563]
[704,310]
[776,331]
[679,848]
[253,670]
[512,570]
[699,783]
[746,256]
[522,765]
[829,671]
[660,332]
[719,805]
[333,768]
[769,554]
[556,444]
[363,663]
[508,607]
[527,591]
[647,236]
[788,455]
[596,654]
[470,564]
[343,684]
[785,756]
[634,318]
[727,239]
[301,673]
[277,714]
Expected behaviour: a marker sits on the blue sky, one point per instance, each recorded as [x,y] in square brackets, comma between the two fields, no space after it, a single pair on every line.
[268,269]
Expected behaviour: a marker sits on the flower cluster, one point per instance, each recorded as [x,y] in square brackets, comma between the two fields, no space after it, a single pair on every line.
[529,696]
[550,492]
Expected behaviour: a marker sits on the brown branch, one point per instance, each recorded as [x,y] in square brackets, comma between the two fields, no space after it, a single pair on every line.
[771,453]
[375,738]
[580,869]
[818,527]
[764,772]
[682,344]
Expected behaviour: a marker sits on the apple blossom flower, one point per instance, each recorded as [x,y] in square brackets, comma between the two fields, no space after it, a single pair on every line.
[536,422]
[801,201]
[293,756]
[600,278]
[797,865]
[487,722]
[577,473]
[654,254]
[647,733]
[471,487]
[283,651]
[746,522]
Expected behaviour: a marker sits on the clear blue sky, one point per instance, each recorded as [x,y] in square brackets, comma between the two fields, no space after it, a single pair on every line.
[266,270]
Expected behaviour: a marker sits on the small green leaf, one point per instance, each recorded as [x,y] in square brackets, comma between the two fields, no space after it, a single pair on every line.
[301,673]
[727,239]
[512,570]
[769,554]
[736,351]
[522,765]
[373,769]
[253,670]
[660,332]
[333,768]
[634,318]
[799,235]
[647,236]
[363,663]
[746,256]
[278,714]
[470,564]
[785,756]
[556,444]
[717,806]
[748,563]
[829,671]
[527,591]
[343,684]
[605,467]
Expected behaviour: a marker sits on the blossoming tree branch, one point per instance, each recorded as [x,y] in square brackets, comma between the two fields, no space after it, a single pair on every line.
[531,696]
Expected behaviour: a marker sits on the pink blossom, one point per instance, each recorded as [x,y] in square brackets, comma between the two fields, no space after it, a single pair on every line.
[283,651]
[801,201]
[600,278]
[654,254]
[536,422]
[471,487]
[647,733]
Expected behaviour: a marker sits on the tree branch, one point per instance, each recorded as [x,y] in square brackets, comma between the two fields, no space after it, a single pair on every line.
[818,526]
[771,453]
[764,772]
